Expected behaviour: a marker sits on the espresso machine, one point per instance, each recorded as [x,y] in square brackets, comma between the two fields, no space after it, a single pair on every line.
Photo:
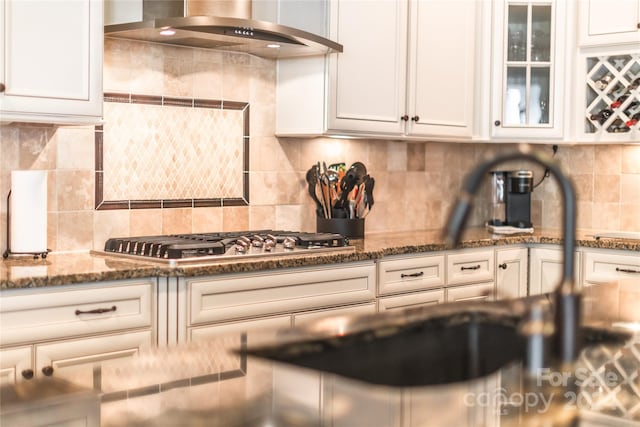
[511,201]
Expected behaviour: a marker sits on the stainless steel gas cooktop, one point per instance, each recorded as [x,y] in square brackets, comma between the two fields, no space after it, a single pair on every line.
[202,247]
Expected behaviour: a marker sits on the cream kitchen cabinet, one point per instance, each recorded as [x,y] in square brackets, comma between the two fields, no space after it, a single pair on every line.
[426,279]
[16,364]
[606,266]
[478,291]
[545,268]
[529,69]
[511,272]
[395,77]
[212,304]
[51,61]
[65,331]
[413,299]
[609,22]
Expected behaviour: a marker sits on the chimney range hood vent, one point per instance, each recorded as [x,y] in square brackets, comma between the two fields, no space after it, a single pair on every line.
[212,24]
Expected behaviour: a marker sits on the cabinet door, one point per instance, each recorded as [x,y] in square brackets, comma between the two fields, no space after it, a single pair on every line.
[79,360]
[15,365]
[609,22]
[441,68]
[51,65]
[545,269]
[480,291]
[511,275]
[528,69]
[367,81]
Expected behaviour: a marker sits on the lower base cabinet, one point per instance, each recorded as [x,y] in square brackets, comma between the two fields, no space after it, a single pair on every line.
[67,331]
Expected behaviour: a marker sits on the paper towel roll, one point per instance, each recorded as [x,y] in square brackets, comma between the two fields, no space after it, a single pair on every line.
[28,212]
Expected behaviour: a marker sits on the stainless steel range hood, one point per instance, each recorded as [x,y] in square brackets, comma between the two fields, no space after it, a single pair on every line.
[211,24]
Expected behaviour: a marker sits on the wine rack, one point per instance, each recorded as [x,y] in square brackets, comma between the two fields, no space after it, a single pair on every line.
[613,94]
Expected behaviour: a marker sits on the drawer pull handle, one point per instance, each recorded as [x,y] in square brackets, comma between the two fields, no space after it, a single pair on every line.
[627,270]
[27,374]
[503,266]
[475,267]
[47,371]
[96,311]
[418,274]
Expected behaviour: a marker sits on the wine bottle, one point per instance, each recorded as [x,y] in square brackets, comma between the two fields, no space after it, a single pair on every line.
[618,126]
[633,112]
[619,100]
[603,82]
[634,84]
[602,115]
[633,120]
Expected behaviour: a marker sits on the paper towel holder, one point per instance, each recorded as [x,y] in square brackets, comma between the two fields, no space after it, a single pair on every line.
[7,253]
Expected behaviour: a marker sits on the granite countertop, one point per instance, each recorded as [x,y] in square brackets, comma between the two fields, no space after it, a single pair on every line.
[77,267]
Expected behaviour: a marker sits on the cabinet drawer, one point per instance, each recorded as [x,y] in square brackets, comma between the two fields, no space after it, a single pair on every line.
[417,299]
[480,291]
[334,313]
[600,267]
[42,314]
[237,296]
[470,267]
[409,274]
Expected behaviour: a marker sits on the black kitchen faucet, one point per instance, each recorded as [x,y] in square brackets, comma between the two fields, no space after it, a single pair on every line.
[566,299]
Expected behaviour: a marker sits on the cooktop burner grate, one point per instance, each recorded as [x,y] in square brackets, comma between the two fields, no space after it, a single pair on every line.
[182,246]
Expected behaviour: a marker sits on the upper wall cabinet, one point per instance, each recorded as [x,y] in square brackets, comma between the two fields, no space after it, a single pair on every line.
[51,61]
[609,22]
[406,71]
[528,70]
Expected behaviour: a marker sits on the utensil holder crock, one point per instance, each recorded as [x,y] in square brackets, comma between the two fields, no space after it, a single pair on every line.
[348,227]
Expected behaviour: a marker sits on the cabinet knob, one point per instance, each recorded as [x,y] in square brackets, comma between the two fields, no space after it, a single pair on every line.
[497,123]
[47,371]
[638,25]
[27,374]
[503,266]
[2,87]
[404,118]
[415,118]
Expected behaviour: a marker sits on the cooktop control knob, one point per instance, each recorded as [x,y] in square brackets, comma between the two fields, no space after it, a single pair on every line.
[257,241]
[289,243]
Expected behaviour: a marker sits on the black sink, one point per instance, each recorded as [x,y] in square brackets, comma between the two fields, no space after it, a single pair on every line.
[452,343]
[439,350]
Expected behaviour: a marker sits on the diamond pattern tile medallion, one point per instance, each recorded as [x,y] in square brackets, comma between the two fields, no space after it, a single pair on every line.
[158,149]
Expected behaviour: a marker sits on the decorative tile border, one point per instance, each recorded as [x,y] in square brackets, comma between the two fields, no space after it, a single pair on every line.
[181,106]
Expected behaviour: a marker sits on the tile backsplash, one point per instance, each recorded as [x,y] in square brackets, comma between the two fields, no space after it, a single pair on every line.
[415,182]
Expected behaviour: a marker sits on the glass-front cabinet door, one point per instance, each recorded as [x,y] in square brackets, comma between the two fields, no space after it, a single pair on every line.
[528,72]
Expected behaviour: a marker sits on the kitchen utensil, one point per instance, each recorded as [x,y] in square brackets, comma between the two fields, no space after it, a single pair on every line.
[359,207]
[353,177]
[369,183]
[312,181]
[326,196]
[319,191]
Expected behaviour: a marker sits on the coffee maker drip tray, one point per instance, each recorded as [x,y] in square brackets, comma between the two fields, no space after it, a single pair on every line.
[507,229]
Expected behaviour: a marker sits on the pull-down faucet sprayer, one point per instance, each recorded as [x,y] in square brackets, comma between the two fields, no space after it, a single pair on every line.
[566,302]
